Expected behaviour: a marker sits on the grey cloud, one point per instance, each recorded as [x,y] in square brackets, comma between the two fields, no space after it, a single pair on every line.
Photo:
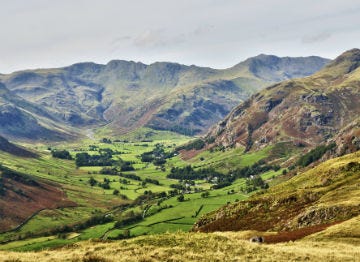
[216,33]
[202,29]
[150,38]
[315,38]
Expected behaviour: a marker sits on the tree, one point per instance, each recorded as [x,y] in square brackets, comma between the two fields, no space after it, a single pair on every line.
[63,154]
[92,181]
[205,194]
[116,192]
[181,198]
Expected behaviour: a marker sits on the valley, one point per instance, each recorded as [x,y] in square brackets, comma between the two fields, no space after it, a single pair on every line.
[135,199]
[166,161]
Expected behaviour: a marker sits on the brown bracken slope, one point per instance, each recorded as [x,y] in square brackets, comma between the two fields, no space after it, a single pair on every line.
[21,196]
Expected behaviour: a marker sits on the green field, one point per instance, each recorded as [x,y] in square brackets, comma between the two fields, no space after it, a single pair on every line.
[159,214]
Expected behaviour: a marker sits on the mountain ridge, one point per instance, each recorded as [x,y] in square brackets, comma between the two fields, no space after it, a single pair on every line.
[180,98]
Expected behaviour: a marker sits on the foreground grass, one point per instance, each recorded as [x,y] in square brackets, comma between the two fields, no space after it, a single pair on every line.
[226,246]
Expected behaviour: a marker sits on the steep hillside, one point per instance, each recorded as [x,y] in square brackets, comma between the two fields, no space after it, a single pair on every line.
[20,118]
[127,95]
[13,149]
[320,196]
[21,196]
[306,111]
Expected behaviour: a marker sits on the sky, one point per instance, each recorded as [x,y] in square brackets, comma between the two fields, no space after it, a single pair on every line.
[213,33]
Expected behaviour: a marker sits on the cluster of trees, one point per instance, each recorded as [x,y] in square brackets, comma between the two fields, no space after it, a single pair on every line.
[245,172]
[195,144]
[178,186]
[109,171]
[122,166]
[93,148]
[149,195]
[63,154]
[84,159]
[152,181]
[205,194]
[188,173]
[105,158]
[157,156]
[220,180]
[131,176]
[124,181]
[314,154]
[94,220]
[125,165]
[255,183]
[257,168]
[106,140]
[105,184]
[181,198]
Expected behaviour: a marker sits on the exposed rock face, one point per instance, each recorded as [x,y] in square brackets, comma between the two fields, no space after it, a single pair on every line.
[310,110]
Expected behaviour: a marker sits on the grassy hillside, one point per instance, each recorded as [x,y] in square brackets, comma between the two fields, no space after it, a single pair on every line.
[322,195]
[13,149]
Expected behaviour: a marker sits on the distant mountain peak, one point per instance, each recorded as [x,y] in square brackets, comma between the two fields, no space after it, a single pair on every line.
[271,68]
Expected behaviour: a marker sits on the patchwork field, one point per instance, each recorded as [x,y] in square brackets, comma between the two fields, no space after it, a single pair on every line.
[136,201]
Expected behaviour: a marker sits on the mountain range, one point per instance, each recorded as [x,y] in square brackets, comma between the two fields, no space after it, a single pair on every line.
[62,103]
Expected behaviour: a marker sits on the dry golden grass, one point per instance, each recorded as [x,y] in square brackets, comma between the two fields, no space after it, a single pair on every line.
[348,232]
[225,246]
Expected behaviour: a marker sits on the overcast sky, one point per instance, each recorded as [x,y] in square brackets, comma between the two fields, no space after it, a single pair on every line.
[214,33]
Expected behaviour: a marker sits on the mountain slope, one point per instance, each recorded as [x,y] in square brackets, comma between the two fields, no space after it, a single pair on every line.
[22,119]
[323,195]
[306,111]
[13,149]
[21,196]
[126,95]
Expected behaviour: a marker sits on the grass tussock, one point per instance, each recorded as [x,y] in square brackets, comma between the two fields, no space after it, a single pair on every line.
[225,246]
